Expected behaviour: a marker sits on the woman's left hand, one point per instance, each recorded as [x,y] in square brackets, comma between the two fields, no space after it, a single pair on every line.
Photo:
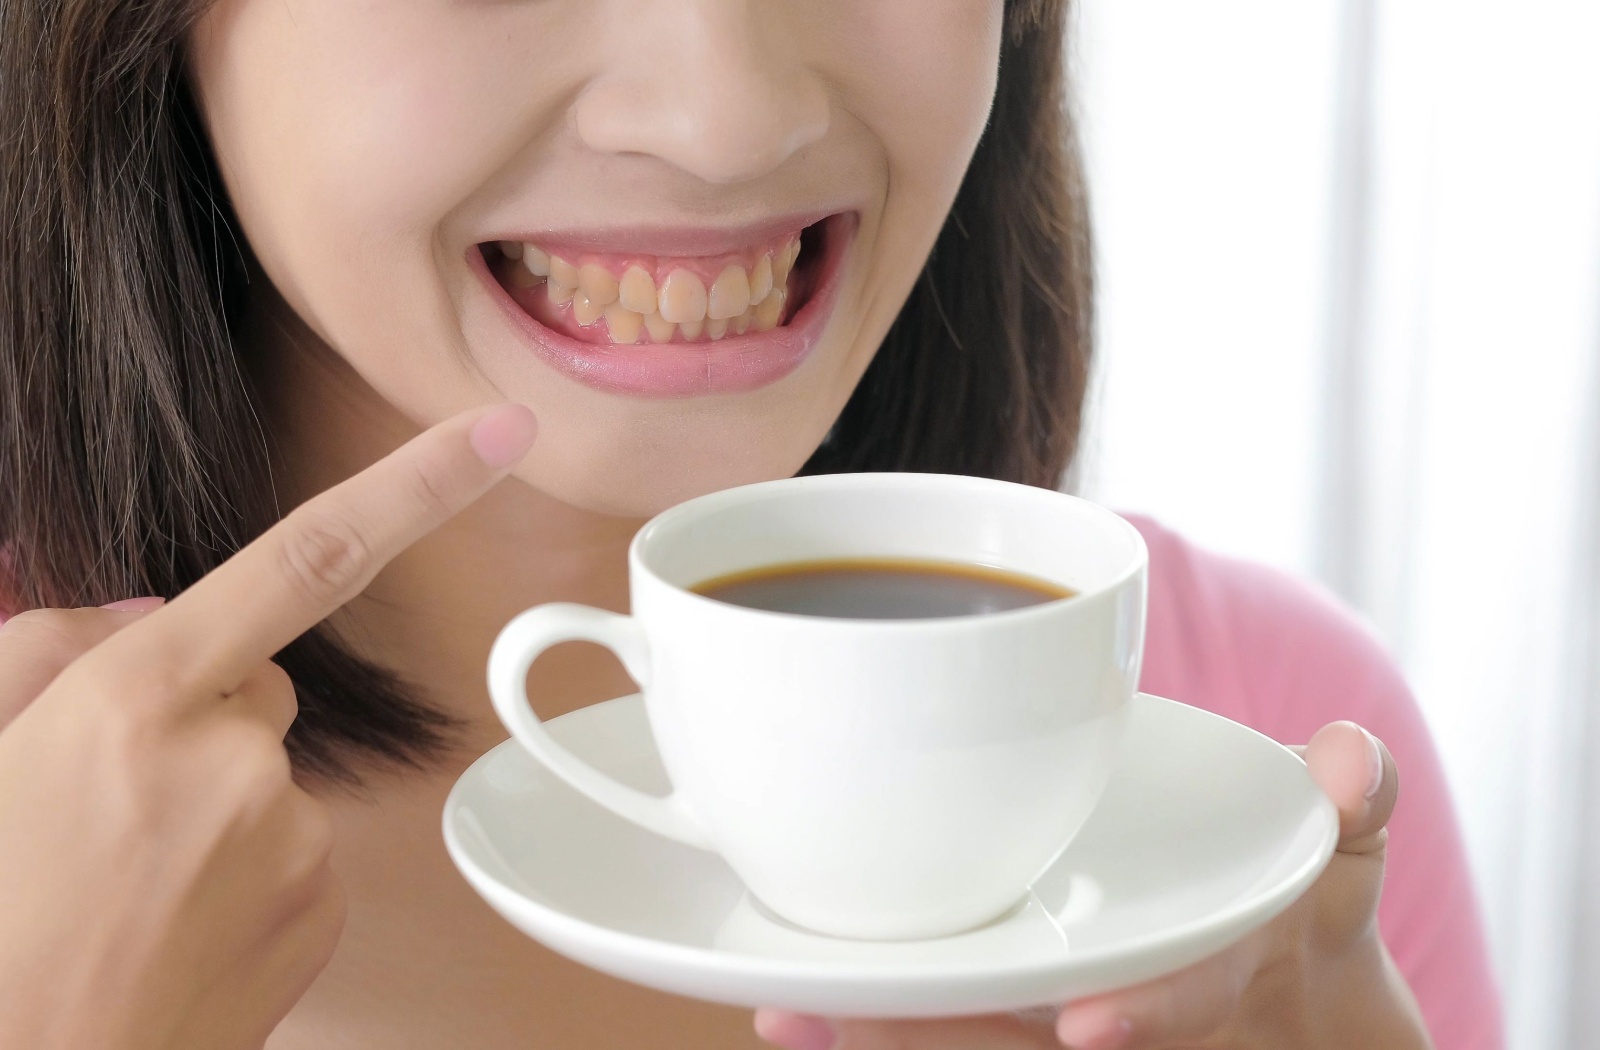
[1316,976]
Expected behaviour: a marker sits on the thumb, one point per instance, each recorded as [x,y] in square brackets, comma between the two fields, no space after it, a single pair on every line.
[1357,773]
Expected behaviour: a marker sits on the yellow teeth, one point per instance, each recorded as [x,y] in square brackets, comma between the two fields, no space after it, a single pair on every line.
[623,323]
[769,310]
[730,293]
[661,330]
[781,266]
[598,284]
[638,291]
[535,261]
[682,298]
[585,310]
[563,272]
[761,279]
[637,303]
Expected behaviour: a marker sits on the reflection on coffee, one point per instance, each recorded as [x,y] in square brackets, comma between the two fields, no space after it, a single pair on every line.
[881,589]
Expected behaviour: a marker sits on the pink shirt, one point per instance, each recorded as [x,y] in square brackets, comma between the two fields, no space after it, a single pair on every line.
[1262,648]
[1278,655]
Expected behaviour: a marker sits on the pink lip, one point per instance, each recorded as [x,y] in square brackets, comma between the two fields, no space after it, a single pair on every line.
[732,365]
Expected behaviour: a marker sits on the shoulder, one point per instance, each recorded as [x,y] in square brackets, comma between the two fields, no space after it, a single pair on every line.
[1259,645]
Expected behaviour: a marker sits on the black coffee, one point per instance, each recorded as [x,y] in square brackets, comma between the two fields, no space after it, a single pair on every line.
[880,589]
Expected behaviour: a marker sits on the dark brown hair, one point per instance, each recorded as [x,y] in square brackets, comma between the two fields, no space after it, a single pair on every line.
[131,457]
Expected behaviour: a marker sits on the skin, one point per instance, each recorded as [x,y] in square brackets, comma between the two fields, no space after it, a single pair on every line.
[367,147]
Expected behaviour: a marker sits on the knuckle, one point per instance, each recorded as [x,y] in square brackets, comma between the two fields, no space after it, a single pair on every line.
[256,758]
[431,488]
[279,687]
[275,678]
[277,694]
[325,557]
[270,682]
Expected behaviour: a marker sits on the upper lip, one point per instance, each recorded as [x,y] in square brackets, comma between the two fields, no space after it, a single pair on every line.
[682,240]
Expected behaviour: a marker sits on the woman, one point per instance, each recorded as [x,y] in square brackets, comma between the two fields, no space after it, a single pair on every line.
[477,287]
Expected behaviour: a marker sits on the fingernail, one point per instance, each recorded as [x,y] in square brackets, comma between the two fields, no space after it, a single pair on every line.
[143,604]
[503,436]
[1089,1032]
[1374,764]
[800,1032]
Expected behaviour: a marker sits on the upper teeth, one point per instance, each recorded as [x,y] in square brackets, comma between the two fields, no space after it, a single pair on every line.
[679,302]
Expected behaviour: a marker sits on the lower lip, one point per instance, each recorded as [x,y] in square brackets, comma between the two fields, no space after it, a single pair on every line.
[731,365]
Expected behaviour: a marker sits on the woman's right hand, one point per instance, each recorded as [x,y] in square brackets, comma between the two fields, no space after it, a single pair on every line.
[164,883]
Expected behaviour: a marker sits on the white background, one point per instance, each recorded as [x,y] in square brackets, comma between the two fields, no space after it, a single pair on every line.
[1350,324]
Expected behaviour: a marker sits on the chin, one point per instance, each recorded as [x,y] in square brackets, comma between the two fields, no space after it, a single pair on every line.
[639,477]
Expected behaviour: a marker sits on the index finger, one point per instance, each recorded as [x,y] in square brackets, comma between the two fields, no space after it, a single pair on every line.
[323,553]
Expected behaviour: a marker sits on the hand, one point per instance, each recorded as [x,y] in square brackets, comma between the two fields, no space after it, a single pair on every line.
[1316,976]
[164,884]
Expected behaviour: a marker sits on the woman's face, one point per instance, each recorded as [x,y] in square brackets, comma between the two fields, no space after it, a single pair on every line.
[580,205]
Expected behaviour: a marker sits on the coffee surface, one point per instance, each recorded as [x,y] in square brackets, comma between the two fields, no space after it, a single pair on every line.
[881,589]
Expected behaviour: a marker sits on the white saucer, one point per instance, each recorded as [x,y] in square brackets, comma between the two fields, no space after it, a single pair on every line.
[1206,830]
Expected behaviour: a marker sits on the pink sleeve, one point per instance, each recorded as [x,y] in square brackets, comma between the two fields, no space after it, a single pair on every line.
[1282,656]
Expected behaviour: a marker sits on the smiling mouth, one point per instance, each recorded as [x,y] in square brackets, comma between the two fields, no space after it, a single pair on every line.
[626,298]
[731,313]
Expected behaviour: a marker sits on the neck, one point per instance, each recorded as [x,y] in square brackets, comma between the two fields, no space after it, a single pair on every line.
[432,613]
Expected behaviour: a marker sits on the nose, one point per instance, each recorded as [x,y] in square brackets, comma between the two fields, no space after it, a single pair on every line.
[710,86]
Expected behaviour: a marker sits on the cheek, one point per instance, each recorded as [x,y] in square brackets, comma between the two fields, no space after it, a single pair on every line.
[919,75]
[346,132]
[927,79]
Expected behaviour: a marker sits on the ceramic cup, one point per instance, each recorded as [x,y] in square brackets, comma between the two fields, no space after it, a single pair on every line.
[884,779]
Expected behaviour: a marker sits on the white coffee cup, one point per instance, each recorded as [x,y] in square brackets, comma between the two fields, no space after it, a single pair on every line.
[878,779]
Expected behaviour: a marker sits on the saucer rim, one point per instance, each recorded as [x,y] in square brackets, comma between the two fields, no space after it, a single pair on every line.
[1241,917]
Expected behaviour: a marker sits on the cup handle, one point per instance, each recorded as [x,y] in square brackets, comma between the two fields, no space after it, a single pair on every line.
[516,647]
